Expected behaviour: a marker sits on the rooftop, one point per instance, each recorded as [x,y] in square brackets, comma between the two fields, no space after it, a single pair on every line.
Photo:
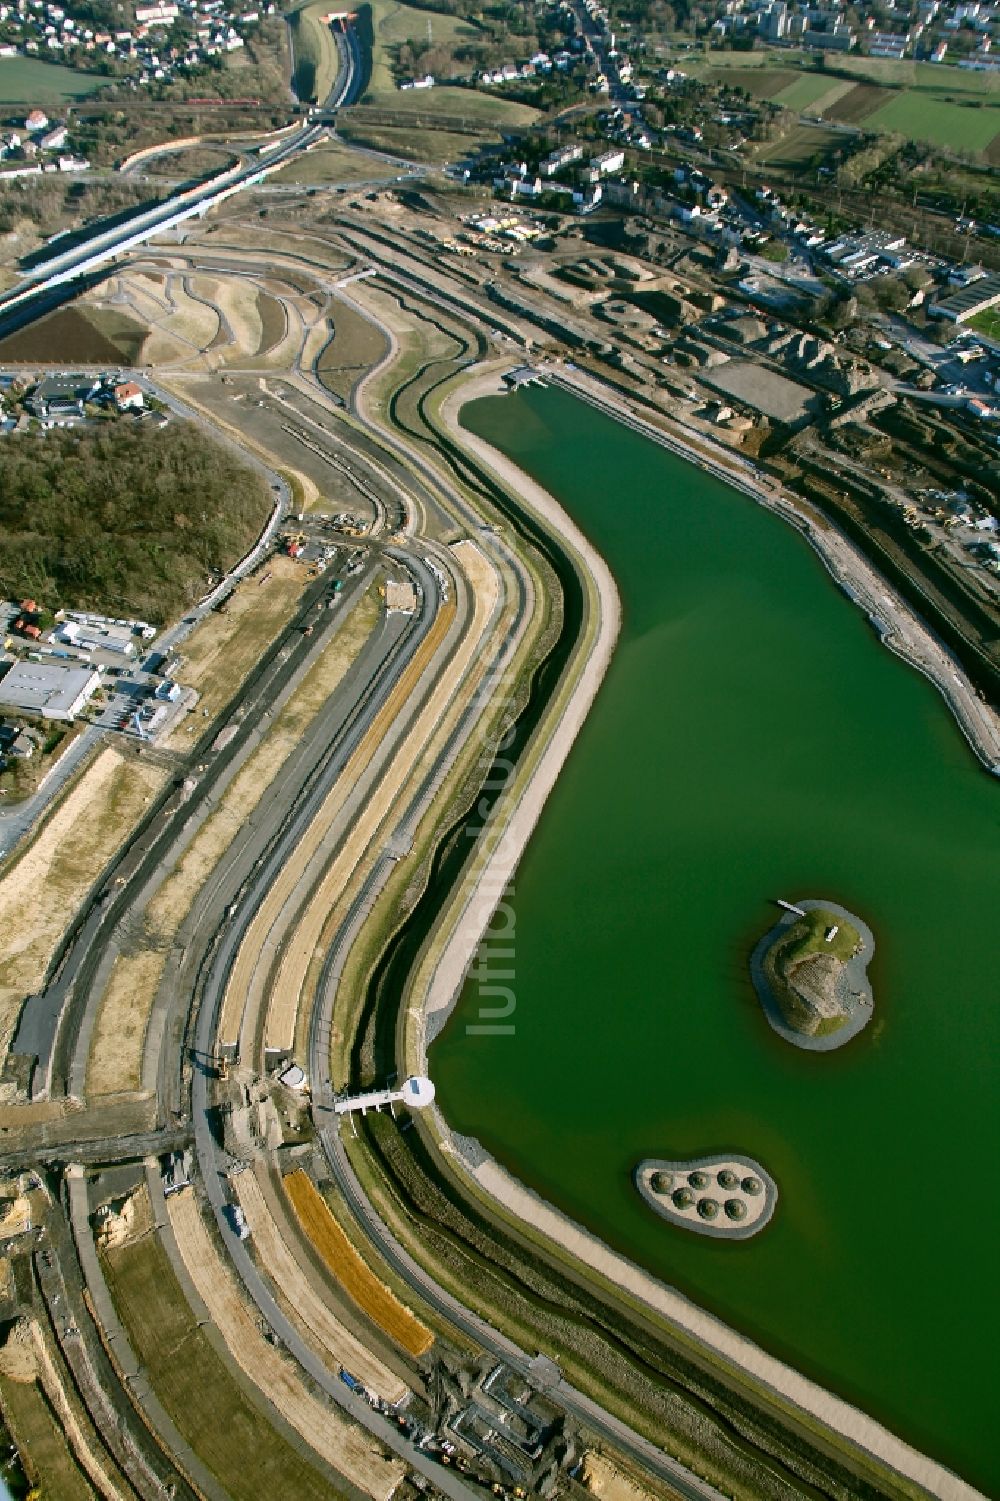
[48,690]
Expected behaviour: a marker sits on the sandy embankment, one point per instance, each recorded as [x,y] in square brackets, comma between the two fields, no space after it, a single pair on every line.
[435,993]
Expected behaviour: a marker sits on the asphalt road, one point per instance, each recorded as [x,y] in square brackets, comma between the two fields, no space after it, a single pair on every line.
[148,856]
[213,1161]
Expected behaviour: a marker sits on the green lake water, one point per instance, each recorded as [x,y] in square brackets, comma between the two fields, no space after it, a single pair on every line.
[753,740]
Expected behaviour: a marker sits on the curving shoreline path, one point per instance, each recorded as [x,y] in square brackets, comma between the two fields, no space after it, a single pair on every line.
[435,996]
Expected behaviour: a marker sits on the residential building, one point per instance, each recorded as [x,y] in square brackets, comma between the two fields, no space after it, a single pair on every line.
[557,160]
[129,397]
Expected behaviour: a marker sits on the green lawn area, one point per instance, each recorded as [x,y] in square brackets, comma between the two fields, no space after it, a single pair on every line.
[411,141]
[25,78]
[926,117]
[249,1458]
[468,105]
[334,164]
[987,323]
[807,935]
[393,24]
[938,77]
[38,1434]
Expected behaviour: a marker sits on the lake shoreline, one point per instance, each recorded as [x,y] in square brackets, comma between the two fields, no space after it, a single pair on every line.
[470,1160]
[897,625]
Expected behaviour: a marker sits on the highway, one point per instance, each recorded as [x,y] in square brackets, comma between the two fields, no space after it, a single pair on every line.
[103,246]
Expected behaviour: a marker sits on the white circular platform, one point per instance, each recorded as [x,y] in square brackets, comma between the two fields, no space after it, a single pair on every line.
[418,1091]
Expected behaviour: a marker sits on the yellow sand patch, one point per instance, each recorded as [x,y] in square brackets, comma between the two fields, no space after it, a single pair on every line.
[354,1275]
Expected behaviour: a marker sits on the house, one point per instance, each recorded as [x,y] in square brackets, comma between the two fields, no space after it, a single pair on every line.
[164,13]
[128,397]
[36,121]
[557,160]
[23,745]
[607,162]
[19,742]
[54,139]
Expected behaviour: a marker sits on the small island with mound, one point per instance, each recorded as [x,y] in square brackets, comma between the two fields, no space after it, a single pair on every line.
[728,1197]
[810,975]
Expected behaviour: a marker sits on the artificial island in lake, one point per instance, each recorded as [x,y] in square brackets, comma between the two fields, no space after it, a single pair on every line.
[810,974]
[729,1197]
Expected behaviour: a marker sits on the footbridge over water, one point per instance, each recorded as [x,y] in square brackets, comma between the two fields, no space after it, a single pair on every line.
[416,1093]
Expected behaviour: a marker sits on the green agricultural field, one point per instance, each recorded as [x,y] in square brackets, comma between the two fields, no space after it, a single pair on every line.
[727,61]
[811,94]
[967,126]
[858,103]
[799,146]
[763,83]
[945,106]
[92,336]
[393,24]
[25,78]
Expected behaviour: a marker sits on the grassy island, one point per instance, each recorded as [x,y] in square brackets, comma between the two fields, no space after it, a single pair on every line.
[810,974]
[806,968]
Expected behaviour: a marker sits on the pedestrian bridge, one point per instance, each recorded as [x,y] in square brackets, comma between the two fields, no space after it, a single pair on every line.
[416,1093]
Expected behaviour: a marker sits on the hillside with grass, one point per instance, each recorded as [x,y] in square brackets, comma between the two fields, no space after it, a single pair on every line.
[123,518]
[805,967]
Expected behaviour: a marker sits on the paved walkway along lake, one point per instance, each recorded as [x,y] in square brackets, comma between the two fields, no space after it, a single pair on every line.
[752,739]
